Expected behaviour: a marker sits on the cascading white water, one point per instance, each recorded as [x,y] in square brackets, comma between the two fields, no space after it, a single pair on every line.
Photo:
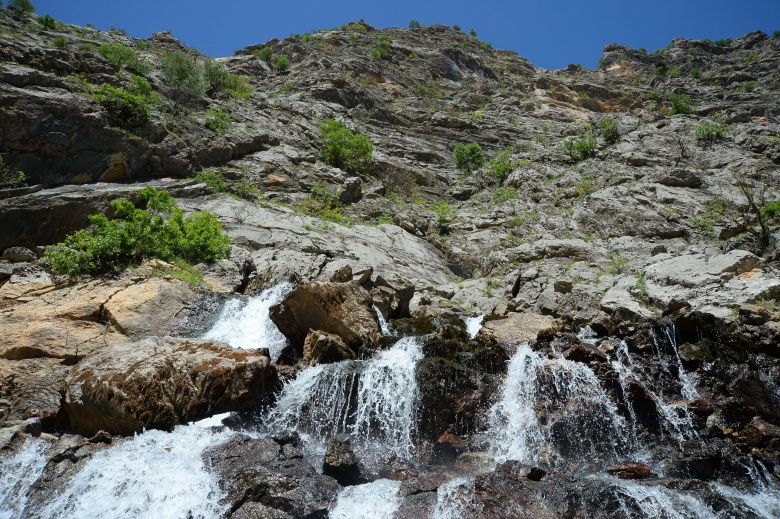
[244,322]
[473,325]
[689,391]
[656,501]
[154,474]
[17,474]
[578,419]
[453,499]
[384,326]
[374,400]
[376,500]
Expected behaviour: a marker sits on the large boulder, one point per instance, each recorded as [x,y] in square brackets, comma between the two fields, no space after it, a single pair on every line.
[341,463]
[268,477]
[521,327]
[161,382]
[343,309]
[325,348]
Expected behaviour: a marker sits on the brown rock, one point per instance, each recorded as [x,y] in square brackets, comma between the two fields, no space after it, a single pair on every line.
[161,382]
[342,275]
[584,353]
[630,470]
[343,309]
[325,348]
[521,327]
[341,463]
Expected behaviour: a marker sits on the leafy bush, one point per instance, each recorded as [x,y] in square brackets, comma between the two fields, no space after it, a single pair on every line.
[580,148]
[48,22]
[222,80]
[184,77]
[414,24]
[125,109]
[680,104]
[140,86]
[443,211]
[323,203]
[59,43]
[585,187]
[707,132]
[214,179]
[122,56]
[217,121]
[21,6]
[469,157]
[696,73]
[473,32]
[609,129]
[751,57]
[505,194]
[264,53]
[10,177]
[281,62]
[341,148]
[500,165]
[160,230]
[724,42]
[381,48]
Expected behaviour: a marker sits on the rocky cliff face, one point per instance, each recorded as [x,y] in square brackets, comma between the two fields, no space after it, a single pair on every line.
[646,223]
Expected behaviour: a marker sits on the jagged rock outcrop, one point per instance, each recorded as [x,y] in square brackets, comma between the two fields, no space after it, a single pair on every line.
[163,382]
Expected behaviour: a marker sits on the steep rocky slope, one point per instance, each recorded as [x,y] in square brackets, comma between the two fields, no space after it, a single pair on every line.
[648,236]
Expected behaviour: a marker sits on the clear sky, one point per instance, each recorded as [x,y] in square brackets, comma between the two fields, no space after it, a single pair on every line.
[550,33]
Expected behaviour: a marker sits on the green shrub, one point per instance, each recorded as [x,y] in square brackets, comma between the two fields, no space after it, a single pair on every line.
[580,148]
[504,194]
[10,177]
[122,56]
[707,132]
[609,129]
[469,157]
[140,86]
[747,86]
[281,62]
[680,104]
[48,22]
[776,34]
[381,48]
[324,204]
[264,53]
[456,27]
[661,68]
[125,109]
[21,6]
[751,58]
[222,80]
[160,230]
[443,211]
[724,42]
[59,42]
[500,165]
[473,32]
[585,187]
[617,263]
[214,179]
[341,148]
[414,24]
[184,77]
[696,73]
[217,121]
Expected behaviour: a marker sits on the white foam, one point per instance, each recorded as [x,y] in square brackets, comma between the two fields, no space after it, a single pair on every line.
[18,472]
[376,500]
[473,325]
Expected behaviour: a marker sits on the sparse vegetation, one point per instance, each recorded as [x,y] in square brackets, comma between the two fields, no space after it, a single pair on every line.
[381,49]
[580,148]
[751,57]
[217,121]
[59,42]
[264,53]
[617,263]
[680,104]
[21,6]
[122,56]
[214,179]
[10,177]
[344,149]
[500,165]
[469,157]
[708,132]
[414,24]
[585,187]
[124,109]
[609,129]
[159,229]
[47,22]
[443,211]
[281,62]
[505,194]
[222,80]
[759,213]
[183,76]
[695,73]
[324,204]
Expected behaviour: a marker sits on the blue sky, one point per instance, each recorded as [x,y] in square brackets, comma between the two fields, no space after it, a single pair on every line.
[550,33]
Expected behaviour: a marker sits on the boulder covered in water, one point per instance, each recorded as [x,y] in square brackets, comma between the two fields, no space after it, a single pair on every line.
[341,463]
[630,470]
[342,309]
[161,382]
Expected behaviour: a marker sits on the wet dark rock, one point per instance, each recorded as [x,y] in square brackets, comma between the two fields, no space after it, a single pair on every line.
[630,470]
[341,463]
[266,472]
[584,353]
[536,474]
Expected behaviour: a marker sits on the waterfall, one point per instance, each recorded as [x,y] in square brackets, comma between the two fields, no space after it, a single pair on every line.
[453,499]
[154,474]
[656,501]
[18,472]
[374,400]
[245,323]
[689,391]
[376,500]
[384,326]
[473,325]
[552,408]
